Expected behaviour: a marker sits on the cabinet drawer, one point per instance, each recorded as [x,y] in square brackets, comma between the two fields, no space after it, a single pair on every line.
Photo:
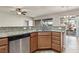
[3,41]
[44,33]
[56,42]
[56,34]
[4,49]
[56,38]
[34,34]
[56,47]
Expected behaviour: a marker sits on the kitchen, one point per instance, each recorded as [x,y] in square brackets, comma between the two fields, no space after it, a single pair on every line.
[35,29]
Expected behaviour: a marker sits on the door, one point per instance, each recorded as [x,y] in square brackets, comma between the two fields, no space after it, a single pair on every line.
[77,26]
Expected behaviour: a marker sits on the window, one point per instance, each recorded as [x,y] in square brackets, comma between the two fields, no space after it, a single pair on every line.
[48,21]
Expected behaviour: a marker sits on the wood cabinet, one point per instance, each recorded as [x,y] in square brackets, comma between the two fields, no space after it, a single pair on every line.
[44,40]
[4,49]
[33,41]
[57,40]
[56,47]
[3,41]
[3,45]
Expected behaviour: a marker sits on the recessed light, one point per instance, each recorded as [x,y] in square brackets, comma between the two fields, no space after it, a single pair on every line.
[70,16]
[67,16]
[64,16]
[24,28]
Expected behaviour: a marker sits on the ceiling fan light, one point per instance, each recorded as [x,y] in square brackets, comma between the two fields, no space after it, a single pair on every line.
[19,13]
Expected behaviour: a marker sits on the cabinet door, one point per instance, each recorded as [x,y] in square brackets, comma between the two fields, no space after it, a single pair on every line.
[3,41]
[4,49]
[44,42]
[33,43]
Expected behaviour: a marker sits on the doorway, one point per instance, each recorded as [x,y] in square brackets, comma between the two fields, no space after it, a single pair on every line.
[72,34]
[71,27]
[70,24]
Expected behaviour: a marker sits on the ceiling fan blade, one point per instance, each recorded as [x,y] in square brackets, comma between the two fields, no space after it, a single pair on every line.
[24,12]
[18,9]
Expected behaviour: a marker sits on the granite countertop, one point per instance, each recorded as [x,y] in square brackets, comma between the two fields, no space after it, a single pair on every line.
[7,34]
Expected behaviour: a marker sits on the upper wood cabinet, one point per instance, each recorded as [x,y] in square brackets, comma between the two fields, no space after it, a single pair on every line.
[33,41]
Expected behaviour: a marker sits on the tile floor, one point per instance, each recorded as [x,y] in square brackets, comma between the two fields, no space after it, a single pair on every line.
[71,46]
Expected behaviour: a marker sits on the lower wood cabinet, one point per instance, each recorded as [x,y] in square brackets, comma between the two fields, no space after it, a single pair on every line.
[3,45]
[4,49]
[44,42]
[3,41]
[57,41]
[33,42]
[56,47]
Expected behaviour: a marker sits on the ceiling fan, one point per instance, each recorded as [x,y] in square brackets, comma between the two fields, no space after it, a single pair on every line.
[20,11]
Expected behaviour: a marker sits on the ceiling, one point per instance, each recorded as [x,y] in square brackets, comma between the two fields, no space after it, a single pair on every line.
[34,11]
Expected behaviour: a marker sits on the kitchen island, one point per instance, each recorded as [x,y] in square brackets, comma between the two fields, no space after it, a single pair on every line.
[31,41]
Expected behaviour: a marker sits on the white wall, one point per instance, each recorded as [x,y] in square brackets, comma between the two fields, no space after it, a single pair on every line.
[56,21]
[9,19]
[56,16]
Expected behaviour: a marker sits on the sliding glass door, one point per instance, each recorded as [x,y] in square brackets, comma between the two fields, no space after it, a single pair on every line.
[77,26]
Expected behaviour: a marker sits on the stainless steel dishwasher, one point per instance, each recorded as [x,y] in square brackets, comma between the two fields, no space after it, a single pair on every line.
[19,44]
[14,46]
[25,45]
